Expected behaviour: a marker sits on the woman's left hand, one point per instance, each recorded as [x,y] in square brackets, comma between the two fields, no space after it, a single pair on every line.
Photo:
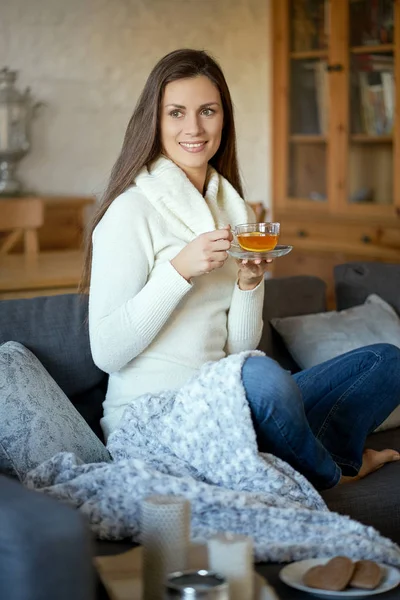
[251,272]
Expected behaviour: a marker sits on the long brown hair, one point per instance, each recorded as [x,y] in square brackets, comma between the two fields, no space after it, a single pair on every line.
[142,142]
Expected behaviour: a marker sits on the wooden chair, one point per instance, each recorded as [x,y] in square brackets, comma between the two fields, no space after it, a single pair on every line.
[20,218]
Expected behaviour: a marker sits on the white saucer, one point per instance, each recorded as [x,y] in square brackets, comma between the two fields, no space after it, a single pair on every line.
[237,252]
[292,575]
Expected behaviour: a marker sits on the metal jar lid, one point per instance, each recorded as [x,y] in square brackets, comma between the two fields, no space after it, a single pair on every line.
[194,585]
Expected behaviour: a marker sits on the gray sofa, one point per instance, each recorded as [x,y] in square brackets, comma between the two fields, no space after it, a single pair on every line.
[55,330]
[45,548]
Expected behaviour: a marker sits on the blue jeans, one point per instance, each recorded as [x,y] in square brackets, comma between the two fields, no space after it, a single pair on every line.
[317,420]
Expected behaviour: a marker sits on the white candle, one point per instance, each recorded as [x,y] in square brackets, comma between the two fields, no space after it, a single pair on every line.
[231,555]
[165,531]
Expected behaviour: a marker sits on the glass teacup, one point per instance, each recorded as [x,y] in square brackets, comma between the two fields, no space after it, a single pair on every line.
[257,237]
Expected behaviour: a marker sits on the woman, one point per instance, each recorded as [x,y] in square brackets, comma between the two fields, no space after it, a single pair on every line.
[165,297]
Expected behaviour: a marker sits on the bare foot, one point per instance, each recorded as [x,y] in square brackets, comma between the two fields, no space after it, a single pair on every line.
[372,461]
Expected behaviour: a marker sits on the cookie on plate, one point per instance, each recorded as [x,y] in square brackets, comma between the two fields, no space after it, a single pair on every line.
[335,575]
[367,575]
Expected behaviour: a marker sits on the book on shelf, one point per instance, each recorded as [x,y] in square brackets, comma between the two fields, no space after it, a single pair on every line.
[388,96]
[376,100]
[304,110]
[310,97]
[367,118]
[321,84]
[374,62]
[376,96]
[371,22]
[309,25]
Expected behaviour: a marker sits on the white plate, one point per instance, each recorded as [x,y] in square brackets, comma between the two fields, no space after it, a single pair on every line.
[237,252]
[292,575]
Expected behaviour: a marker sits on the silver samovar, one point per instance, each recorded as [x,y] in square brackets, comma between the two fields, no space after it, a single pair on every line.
[16,112]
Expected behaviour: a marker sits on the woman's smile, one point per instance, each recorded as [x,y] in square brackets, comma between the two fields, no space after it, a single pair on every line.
[193,146]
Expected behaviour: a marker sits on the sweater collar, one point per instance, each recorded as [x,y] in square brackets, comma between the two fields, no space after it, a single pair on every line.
[182,206]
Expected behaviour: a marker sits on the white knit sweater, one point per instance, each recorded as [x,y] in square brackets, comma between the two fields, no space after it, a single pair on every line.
[149,328]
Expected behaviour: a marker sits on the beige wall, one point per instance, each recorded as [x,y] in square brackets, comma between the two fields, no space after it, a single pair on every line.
[88,60]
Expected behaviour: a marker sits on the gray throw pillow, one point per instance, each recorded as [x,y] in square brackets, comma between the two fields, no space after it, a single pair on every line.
[313,339]
[37,420]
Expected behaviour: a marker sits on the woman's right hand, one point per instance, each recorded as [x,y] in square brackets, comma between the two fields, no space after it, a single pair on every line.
[204,254]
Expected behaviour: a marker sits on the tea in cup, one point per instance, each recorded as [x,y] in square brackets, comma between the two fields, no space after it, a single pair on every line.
[257,237]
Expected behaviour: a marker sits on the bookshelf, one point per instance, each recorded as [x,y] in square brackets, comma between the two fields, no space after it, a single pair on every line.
[336,124]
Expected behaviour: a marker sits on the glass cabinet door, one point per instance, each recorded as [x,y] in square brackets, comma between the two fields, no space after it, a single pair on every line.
[308,100]
[372,102]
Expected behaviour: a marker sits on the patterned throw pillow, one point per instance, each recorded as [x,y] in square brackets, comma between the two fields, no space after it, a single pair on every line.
[37,420]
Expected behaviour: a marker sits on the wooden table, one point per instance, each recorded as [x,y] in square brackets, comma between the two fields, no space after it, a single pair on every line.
[121,574]
[121,577]
[56,272]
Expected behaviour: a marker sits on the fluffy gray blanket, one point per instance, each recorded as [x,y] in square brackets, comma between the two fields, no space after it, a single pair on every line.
[199,443]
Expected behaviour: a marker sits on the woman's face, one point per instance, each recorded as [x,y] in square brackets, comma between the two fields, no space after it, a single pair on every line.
[191,122]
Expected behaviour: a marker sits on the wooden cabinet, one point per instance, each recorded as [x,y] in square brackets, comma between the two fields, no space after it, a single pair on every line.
[336,117]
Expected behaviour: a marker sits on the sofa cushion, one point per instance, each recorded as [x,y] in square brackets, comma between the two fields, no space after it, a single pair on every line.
[313,339]
[37,420]
[54,328]
[287,296]
[355,281]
